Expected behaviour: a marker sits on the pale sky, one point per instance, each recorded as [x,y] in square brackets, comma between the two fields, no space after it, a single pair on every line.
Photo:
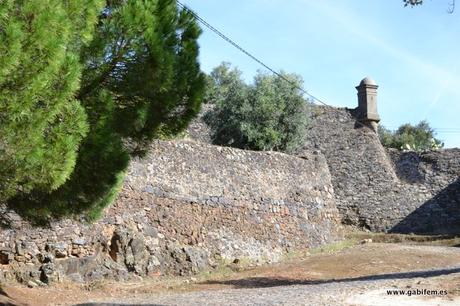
[412,53]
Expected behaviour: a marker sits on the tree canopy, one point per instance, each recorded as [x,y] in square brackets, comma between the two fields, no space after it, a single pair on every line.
[132,75]
[420,2]
[270,114]
[41,122]
[412,2]
[409,137]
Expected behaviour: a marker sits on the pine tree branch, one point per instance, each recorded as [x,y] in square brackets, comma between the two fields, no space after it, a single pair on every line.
[106,73]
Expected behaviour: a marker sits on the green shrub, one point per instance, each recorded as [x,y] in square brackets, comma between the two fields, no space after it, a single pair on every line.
[269,114]
[409,137]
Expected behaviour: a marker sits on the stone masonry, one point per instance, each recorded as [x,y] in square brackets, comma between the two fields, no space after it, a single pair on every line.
[386,190]
[190,206]
[185,208]
[376,189]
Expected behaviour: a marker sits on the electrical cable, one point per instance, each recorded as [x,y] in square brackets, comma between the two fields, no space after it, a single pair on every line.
[260,62]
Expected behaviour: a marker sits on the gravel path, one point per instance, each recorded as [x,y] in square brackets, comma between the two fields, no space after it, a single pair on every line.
[359,275]
[345,292]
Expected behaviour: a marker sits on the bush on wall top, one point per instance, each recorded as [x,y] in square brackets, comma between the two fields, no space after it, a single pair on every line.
[418,137]
[270,114]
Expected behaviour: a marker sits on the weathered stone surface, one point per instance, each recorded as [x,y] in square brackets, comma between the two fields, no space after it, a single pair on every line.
[380,190]
[184,208]
[430,191]
[386,191]
[197,129]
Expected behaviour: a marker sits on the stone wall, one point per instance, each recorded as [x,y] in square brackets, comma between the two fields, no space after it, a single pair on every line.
[184,208]
[430,189]
[386,191]
[361,171]
[380,190]
[198,130]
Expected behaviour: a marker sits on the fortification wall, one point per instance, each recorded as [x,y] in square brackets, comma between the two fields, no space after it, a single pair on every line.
[430,189]
[186,207]
[377,189]
[386,191]
[361,171]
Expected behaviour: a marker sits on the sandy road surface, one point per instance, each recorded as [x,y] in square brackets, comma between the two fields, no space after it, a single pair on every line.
[360,275]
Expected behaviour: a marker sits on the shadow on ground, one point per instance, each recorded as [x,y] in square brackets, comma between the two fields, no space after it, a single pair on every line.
[261,282]
[5,299]
[110,304]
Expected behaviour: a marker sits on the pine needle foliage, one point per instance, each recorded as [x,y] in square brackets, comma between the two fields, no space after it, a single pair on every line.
[41,122]
[145,53]
[141,80]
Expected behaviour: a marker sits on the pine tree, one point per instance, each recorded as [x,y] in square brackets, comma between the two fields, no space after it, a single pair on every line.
[141,81]
[146,54]
[41,122]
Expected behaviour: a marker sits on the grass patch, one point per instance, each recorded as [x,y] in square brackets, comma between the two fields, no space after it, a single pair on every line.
[220,272]
[327,248]
[335,247]
[296,254]
[226,268]
[434,240]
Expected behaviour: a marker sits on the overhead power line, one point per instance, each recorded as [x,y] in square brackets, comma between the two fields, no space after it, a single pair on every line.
[250,55]
[260,62]
[443,130]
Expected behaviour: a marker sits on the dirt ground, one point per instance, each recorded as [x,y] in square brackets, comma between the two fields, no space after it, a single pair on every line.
[350,261]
